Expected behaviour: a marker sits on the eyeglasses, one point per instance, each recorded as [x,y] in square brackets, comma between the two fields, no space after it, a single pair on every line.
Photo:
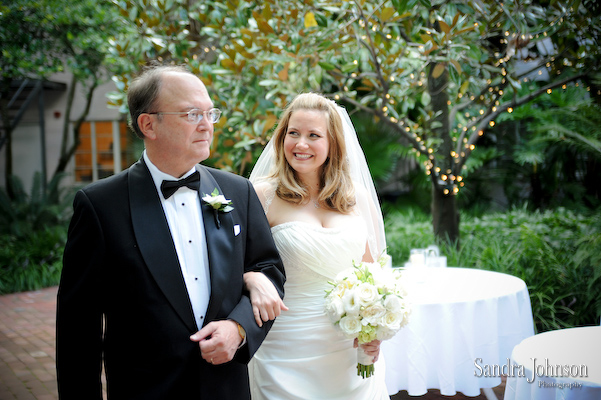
[196,115]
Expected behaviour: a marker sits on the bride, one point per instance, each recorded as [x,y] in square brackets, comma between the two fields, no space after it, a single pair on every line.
[319,198]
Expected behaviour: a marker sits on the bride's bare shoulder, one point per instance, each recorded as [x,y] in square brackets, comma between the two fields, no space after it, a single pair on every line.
[360,192]
[265,190]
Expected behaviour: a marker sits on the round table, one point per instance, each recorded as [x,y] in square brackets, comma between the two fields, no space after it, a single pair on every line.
[562,364]
[462,321]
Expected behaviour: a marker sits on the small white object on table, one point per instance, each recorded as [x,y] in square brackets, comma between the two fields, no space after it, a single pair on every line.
[562,364]
[462,319]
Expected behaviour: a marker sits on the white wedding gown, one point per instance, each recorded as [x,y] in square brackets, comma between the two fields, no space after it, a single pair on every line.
[304,356]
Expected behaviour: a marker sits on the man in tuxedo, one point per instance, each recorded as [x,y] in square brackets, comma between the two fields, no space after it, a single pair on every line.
[152,283]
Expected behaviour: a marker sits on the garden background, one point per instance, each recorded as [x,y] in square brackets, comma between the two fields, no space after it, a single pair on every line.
[480,120]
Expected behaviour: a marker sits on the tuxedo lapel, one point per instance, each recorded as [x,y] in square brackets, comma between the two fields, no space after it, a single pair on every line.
[219,242]
[155,242]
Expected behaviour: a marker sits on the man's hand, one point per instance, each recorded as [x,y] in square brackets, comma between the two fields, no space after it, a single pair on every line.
[218,341]
[265,299]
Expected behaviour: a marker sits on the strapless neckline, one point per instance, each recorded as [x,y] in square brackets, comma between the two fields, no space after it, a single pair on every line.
[309,225]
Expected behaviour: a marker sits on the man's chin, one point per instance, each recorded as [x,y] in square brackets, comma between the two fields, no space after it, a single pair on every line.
[203,155]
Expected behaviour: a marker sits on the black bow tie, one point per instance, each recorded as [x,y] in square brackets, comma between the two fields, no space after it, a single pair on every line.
[170,187]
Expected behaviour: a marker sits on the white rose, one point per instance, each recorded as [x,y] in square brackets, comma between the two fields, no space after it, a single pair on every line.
[393,303]
[384,333]
[339,290]
[216,201]
[351,303]
[367,294]
[406,312]
[387,280]
[392,321]
[384,260]
[373,314]
[381,278]
[400,289]
[334,308]
[348,277]
[350,326]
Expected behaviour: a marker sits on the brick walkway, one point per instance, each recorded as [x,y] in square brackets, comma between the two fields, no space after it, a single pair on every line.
[27,370]
[27,333]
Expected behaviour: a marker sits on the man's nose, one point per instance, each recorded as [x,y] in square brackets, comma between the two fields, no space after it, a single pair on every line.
[204,124]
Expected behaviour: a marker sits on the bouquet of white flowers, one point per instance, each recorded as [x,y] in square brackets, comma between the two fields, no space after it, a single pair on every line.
[368,302]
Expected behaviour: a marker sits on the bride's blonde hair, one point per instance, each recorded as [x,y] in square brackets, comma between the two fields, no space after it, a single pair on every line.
[336,191]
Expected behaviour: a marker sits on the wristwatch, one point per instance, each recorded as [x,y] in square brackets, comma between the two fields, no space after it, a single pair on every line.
[242,334]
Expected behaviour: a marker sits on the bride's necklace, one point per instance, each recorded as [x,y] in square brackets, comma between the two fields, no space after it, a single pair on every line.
[315,202]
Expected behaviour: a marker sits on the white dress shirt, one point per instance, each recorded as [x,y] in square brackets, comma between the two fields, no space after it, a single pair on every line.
[184,217]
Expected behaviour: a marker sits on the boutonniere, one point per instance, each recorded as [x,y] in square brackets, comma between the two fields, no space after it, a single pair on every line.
[218,203]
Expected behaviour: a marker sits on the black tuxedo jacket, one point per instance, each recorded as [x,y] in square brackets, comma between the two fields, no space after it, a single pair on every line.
[122,296]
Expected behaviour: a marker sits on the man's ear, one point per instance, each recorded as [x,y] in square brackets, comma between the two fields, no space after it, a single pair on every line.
[146,124]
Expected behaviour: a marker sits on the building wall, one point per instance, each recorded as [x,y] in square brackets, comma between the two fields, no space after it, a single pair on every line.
[27,143]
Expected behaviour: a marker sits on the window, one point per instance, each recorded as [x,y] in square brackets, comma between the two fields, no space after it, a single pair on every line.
[102,151]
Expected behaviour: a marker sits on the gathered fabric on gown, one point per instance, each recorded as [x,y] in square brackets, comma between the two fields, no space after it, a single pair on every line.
[304,356]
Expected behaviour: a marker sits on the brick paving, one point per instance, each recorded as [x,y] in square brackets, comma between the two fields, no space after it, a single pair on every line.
[27,367]
[27,358]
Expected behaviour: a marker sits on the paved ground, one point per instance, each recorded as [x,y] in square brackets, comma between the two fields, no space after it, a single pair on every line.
[27,333]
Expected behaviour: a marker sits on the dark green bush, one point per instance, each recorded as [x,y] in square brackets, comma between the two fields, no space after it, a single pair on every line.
[557,253]
[33,231]
[33,261]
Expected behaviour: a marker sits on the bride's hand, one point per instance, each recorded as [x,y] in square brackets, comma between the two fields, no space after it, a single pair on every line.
[371,349]
[265,299]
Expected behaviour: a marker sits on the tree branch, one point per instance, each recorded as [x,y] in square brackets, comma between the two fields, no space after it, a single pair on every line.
[484,121]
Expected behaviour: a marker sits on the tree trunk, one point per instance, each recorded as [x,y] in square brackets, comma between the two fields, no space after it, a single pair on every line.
[8,172]
[7,126]
[68,152]
[591,179]
[445,217]
[536,189]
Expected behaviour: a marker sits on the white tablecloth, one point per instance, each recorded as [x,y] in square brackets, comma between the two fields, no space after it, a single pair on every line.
[576,351]
[461,317]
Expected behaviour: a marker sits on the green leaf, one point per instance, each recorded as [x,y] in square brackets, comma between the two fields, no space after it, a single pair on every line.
[444,26]
[349,67]
[326,65]
[438,70]
[403,5]
[269,82]
[456,65]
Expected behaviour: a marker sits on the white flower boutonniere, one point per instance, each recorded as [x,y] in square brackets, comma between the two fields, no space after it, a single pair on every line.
[218,203]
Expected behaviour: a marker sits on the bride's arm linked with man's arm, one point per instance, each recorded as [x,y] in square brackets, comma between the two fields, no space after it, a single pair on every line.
[266,301]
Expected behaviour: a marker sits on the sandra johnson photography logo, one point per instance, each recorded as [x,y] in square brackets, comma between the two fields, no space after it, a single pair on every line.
[539,368]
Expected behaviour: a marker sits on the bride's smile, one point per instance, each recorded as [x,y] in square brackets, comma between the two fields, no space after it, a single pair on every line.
[306,144]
